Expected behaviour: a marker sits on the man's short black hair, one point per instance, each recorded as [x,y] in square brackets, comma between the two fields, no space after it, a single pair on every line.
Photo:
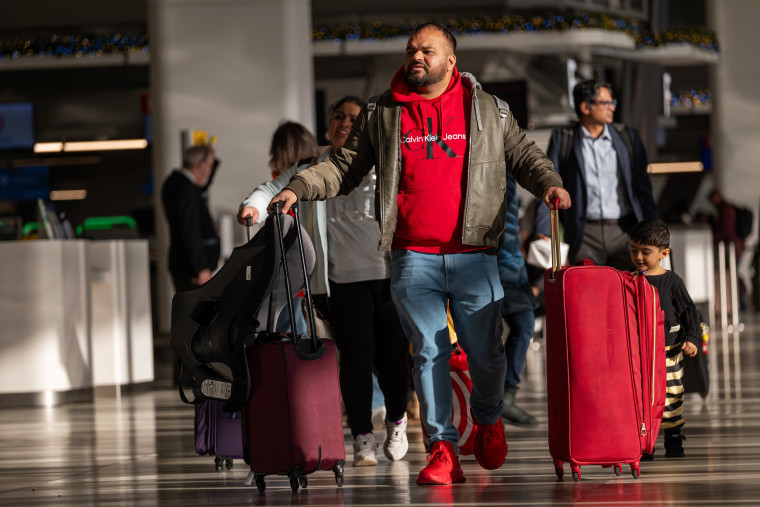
[651,232]
[587,91]
[441,28]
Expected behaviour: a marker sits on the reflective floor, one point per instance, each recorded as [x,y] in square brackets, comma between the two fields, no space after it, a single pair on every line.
[138,450]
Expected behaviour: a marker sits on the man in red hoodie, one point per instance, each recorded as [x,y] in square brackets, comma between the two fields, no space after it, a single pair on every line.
[442,148]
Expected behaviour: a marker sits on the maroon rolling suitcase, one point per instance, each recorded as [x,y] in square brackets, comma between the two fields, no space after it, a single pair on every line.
[605,364]
[292,422]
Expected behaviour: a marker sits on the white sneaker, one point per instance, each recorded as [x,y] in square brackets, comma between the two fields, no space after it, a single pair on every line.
[396,443]
[365,450]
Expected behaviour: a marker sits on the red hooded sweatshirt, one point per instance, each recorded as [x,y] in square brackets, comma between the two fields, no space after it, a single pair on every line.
[434,154]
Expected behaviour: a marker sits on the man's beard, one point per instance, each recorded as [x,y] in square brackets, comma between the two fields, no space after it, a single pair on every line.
[427,78]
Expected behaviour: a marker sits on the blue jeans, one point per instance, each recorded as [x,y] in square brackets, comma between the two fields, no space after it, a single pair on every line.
[421,285]
[283,321]
[520,332]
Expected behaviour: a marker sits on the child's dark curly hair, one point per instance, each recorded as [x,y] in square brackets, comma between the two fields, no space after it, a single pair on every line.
[651,232]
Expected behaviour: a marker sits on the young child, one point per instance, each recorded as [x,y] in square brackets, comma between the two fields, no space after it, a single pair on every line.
[650,242]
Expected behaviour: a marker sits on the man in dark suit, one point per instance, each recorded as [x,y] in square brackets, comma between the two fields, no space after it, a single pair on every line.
[604,169]
[194,248]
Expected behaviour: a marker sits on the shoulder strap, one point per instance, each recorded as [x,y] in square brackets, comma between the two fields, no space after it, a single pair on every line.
[307,160]
[182,396]
[503,111]
[371,110]
[626,137]
[565,144]
[566,140]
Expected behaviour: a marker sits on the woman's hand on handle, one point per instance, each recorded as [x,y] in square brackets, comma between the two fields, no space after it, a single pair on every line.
[553,193]
[248,211]
[288,199]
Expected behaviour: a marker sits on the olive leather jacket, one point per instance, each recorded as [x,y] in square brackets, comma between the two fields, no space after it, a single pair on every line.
[497,145]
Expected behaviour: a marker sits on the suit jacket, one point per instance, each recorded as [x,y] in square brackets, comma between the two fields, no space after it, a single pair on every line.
[518,295]
[633,175]
[194,241]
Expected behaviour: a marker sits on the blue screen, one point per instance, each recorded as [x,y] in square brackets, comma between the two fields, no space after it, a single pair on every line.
[16,125]
[25,183]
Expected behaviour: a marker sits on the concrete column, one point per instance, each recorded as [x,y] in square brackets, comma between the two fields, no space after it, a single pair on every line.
[235,68]
[735,125]
[736,105]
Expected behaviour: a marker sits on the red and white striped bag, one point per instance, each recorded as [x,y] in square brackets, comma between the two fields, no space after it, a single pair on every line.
[461,385]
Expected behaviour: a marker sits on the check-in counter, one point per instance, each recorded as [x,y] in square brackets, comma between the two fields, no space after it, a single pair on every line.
[74,315]
[45,347]
[122,332]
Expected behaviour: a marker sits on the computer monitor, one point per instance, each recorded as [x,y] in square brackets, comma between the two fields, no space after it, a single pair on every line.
[678,194]
[16,126]
[24,183]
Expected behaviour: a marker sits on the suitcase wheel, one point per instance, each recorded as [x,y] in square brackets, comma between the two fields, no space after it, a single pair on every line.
[303,481]
[293,476]
[635,471]
[576,475]
[260,485]
[559,468]
[338,470]
[222,464]
[618,470]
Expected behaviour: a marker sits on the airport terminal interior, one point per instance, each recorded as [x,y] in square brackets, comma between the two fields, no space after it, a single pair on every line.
[97,102]
[137,449]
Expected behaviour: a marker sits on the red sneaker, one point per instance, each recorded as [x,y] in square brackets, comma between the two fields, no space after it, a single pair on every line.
[490,444]
[444,465]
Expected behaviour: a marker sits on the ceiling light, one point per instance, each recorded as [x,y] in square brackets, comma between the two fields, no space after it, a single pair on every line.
[68,195]
[121,144]
[48,147]
[117,144]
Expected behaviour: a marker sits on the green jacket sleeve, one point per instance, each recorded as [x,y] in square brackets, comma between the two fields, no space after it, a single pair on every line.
[529,165]
[343,171]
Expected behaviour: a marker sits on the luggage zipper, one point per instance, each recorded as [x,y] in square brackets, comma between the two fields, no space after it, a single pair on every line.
[379,190]
[654,339]
[642,328]
[643,430]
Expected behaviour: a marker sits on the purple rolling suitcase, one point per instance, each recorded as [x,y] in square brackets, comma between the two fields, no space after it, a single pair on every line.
[218,433]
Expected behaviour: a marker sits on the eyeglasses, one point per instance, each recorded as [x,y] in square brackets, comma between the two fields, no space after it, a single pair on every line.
[606,103]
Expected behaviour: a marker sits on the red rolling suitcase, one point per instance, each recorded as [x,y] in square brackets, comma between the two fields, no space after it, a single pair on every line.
[605,363]
[292,421]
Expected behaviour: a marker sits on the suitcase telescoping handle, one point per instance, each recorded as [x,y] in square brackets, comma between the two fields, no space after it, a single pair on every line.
[554,220]
[248,227]
[277,210]
[312,331]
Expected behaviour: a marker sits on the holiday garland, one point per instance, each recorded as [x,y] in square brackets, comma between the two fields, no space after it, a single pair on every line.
[81,45]
[691,98]
[378,30]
